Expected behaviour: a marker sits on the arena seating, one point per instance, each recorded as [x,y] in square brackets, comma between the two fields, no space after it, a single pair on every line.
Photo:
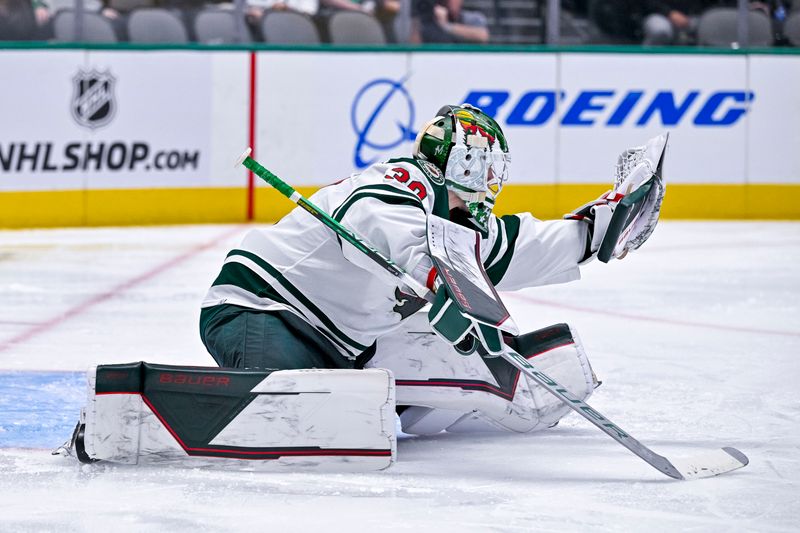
[219,26]
[352,27]
[791,28]
[126,6]
[96,28]
[88,5]
[510,22]
[156,25]
[288,27]
[719,27]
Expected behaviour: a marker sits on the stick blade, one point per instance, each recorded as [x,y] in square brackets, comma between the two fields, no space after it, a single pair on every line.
[711,463]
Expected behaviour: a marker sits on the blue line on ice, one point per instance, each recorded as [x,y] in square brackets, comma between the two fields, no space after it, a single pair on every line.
[39,409]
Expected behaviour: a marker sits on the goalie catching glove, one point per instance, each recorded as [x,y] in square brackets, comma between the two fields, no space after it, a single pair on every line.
[622,219]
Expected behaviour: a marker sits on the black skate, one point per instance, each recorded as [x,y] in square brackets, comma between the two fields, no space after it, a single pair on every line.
[74,447]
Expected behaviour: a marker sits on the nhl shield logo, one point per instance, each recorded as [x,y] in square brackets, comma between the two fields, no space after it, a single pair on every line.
[93,104]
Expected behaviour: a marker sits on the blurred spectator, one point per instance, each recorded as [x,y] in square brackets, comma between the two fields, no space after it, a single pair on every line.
[778,11]
[443,21]
[256,8]
[383,10]
[387,10]
[118,11]
[576,7]
[41,11]
[380,8]
[116,17]
[23,20]
[650,22]
[664,22]
[672,21]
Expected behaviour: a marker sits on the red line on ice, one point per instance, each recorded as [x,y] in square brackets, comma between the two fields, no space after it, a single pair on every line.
[659,320]
[122,287]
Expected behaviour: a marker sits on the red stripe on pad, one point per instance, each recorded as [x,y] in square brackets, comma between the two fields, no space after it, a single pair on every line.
[229,453]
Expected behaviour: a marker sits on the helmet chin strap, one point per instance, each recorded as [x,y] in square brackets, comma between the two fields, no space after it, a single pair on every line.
[471,197]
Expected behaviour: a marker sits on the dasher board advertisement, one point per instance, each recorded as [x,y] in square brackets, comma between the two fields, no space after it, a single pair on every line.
[118,119]
[323,116]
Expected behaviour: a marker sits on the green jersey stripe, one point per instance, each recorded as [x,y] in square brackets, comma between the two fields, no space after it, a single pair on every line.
[498,270]
[498,242]
[239,275]
[385,193]
[300,297]
[387,199]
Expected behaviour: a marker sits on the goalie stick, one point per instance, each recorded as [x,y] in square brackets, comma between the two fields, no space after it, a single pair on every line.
[706,464]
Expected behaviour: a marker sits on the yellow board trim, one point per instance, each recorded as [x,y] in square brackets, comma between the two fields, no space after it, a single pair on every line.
[125,207]
[165,206]
[270,205]
[42,209]
[681,202]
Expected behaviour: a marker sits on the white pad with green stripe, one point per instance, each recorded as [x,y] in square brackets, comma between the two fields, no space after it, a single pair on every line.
[319,419]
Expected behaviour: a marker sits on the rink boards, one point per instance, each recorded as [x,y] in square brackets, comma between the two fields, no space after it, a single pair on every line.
[131,136]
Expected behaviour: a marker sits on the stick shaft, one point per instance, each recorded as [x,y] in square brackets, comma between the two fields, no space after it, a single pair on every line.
[662,464]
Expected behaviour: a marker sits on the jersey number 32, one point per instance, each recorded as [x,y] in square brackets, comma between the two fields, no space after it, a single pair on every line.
[401,175]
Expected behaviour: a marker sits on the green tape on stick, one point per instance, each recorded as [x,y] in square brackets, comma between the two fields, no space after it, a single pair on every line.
[282,187]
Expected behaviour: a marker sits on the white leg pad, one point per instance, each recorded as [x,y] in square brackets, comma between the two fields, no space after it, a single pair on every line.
[451,391]
[291,419]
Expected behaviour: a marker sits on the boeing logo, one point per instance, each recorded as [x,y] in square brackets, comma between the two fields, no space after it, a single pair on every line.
[634,107]
[382,114]
[386,103]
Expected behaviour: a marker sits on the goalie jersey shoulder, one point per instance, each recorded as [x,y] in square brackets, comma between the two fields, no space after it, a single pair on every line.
[406,177]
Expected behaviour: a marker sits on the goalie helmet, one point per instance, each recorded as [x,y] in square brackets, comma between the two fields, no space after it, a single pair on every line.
[469,147]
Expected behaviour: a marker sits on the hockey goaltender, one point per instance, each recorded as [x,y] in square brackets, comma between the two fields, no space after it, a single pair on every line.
[318,347]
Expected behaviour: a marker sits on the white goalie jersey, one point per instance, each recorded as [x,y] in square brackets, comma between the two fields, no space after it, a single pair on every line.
[300,266]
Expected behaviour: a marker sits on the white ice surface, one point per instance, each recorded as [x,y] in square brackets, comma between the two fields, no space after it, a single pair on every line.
[696,337]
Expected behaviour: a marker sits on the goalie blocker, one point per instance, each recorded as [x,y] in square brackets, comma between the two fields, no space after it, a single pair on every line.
[142,413]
